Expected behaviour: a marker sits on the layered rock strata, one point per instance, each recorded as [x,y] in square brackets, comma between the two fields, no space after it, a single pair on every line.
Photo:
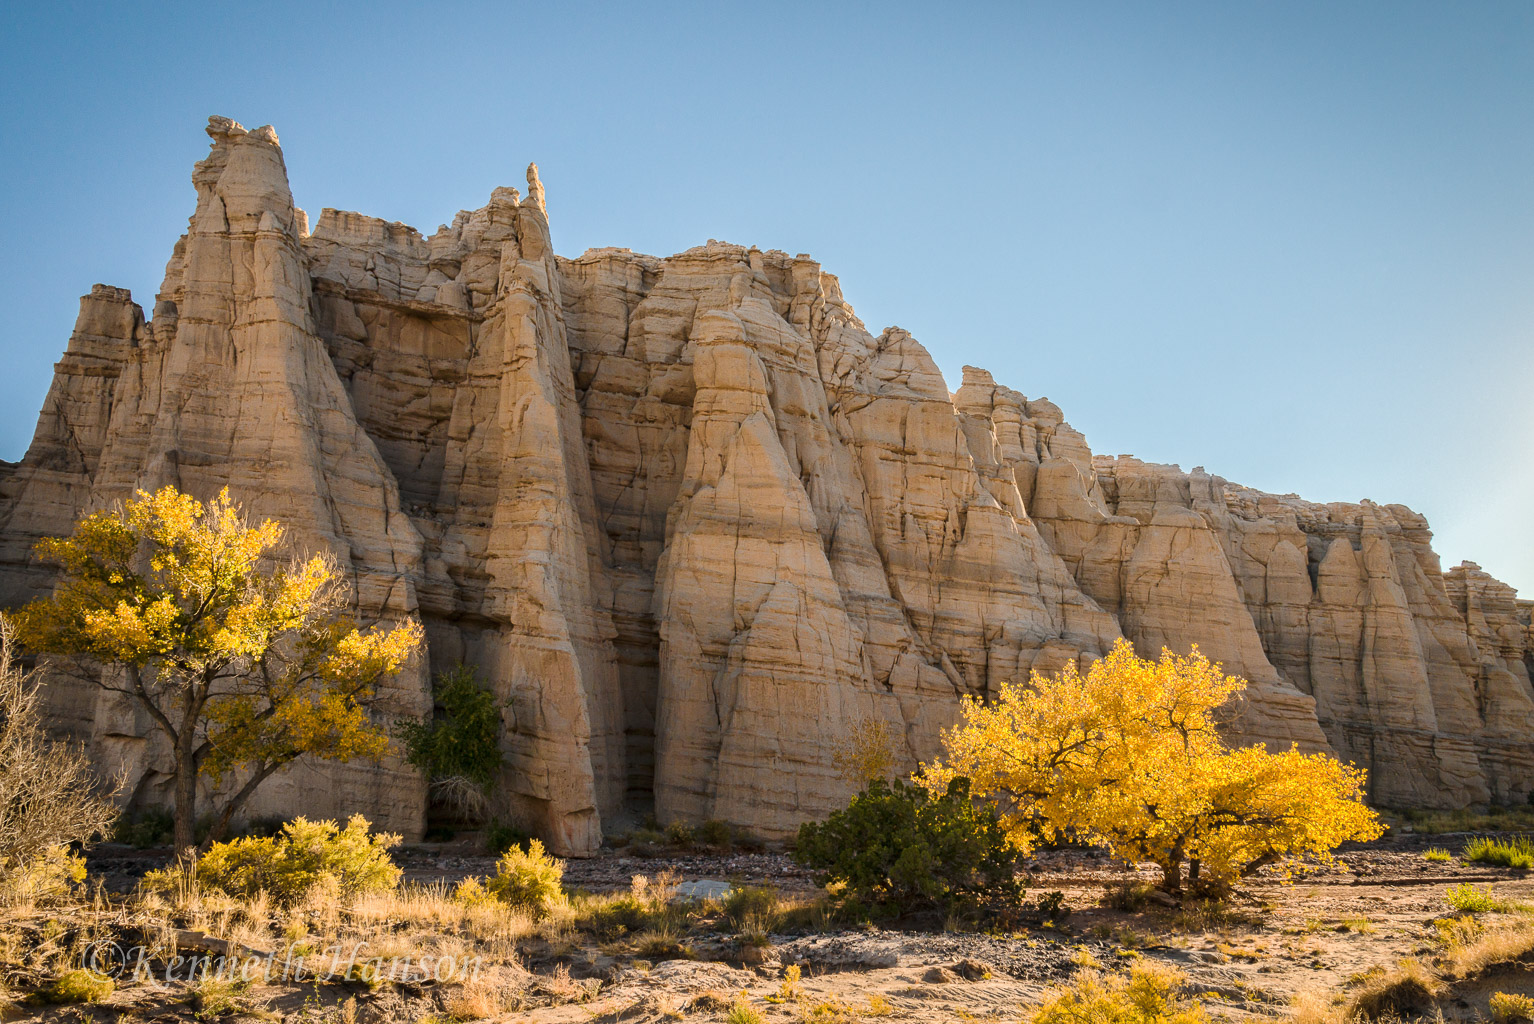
[693,522]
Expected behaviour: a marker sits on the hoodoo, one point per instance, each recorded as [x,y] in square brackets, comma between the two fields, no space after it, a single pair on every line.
[693,522]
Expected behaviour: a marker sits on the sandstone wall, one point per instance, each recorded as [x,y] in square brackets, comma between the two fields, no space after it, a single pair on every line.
[692,520]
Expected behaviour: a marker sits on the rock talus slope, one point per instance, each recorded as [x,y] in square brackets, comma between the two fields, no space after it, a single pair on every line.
[693,522]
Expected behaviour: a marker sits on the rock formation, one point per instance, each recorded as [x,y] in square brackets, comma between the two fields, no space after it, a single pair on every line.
[692,521]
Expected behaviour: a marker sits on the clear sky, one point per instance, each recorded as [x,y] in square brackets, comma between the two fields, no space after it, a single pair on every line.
[1291,242]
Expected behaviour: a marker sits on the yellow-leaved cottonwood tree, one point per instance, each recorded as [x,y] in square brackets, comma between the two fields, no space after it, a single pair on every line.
[1128,755]
[244,665]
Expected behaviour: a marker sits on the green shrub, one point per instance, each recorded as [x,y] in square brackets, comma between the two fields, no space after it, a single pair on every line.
[471,892]
[1468,898]
[714,833]
[147,828]
[1437,854]
[529,879]
[78,986]
[216,996]
[1052,906]
[662,944]
[458,746]
[1510,853]
[616,917]
[752,910]
[500,837]
[679,834]
[897,846]
[1130,897]
[305,856]
[1506,1008]
[742,1012]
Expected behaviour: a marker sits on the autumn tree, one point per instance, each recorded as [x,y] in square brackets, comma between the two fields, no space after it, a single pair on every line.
[243,665]
[1127,755]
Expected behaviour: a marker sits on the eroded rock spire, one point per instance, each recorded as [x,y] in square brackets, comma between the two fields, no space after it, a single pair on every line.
[535,187]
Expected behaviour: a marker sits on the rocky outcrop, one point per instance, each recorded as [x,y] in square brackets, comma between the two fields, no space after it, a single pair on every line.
[693,522]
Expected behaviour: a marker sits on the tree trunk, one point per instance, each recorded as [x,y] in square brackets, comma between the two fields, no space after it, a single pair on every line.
[234,803]
[1171,870]
[1262,861]
[1171,876]
[186,801]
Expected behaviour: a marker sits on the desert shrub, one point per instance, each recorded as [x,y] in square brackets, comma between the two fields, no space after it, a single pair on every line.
[529,879]
[1436,854]
[1467,897]
[1472,949]
[615,916]
[149,827]
[1052,906]
[1412,988]
[867,754]
[662,943]
[49,797]
[78,986]
[458,746]
[471,892]
[46,878]
[304,857]
[1508,853]
[1129,755]
[1506,1008]
[500,837]
[1148,994]
[751,908]
[679,833]
[829,1011]
[1130,897]
[216,996]
[742,1012]
[714,833]
[896,845]
[648,905]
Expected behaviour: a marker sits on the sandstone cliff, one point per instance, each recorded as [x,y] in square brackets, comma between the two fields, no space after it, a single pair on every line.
[692,520]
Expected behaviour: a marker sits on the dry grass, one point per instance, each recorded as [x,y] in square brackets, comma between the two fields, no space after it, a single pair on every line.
[493,993]
[1316,1006]
[1471,949]
[1412,988]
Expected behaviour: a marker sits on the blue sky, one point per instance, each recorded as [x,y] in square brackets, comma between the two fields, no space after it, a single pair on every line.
[1291,242]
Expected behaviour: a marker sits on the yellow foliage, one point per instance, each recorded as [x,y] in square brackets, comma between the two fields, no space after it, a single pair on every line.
[1510,1007]
[1148,994]
[1128,755]
[245,665]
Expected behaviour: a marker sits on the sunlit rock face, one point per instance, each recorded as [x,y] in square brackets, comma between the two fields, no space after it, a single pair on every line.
[692,521]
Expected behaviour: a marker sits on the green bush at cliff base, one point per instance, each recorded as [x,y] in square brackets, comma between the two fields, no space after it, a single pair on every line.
[895,846]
